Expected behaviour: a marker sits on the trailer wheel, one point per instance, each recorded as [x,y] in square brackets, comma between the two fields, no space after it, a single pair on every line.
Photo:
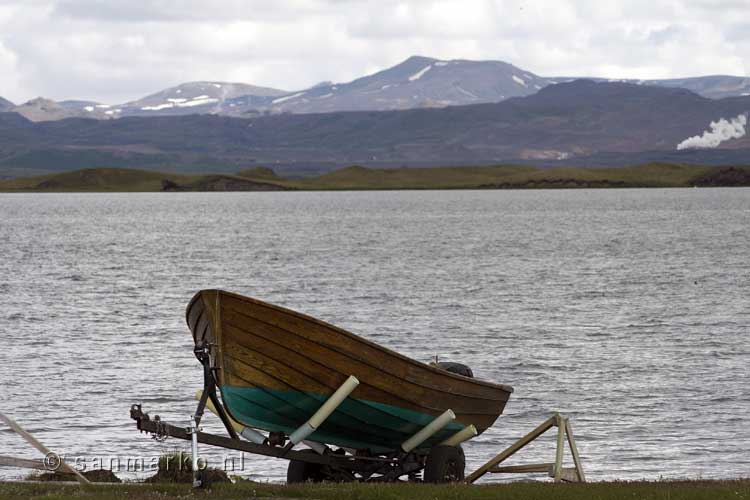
[445,464]
[303,472]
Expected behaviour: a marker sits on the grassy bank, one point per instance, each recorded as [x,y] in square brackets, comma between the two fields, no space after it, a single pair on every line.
[714,490]
[360,178]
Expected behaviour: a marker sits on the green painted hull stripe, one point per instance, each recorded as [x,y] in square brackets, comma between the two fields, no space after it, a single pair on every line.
[356,423]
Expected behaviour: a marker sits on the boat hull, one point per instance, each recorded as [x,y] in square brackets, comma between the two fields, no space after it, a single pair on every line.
[276,367]
[356,424]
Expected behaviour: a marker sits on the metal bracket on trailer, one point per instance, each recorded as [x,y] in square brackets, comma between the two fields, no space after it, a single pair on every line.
[209,391]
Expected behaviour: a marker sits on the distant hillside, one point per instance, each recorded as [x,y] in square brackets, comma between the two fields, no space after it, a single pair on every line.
[417,82]
[713,86]
[264,173]
[184,99]
[520,177]
[357,177]
[360,178]
[131,180]
[201,97]
[41,109]
[558,125]
[414,83]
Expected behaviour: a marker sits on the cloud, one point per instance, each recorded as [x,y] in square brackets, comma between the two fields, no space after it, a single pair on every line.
[118,50]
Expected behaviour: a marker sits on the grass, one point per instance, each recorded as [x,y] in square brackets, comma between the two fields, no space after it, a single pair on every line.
[361,178]
[714,490]
[356,177]
[100,179]
[650,175]
[131,180]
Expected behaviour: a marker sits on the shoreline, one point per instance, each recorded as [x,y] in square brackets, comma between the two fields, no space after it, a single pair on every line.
[355,178]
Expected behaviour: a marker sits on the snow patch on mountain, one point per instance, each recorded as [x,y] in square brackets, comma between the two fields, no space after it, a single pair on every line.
[197,102]
[416,76]
[467,93]
[158,107]
[287,98]
[182,103]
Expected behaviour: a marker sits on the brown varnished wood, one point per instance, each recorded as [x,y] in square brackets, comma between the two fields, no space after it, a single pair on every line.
[319,358]
[355,419]
[255,344]
[251,369]
[363,350]
[324,378]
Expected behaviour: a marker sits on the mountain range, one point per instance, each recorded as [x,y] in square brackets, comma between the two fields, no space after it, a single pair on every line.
[418,82]
[576,122]
[5,105]
[713,87]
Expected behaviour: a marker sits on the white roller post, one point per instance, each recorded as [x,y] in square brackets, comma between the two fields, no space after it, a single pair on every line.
[427,431]
[323,412]
[464,434]
[318,448]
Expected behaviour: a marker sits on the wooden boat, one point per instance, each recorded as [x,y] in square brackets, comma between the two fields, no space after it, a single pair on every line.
[275,367]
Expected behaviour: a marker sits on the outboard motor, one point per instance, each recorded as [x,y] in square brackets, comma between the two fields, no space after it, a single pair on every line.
[456,368]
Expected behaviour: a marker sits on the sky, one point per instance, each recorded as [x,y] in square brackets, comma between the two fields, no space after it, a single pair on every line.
[115,51]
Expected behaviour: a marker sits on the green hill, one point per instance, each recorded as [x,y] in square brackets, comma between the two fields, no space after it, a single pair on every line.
[131,180]
[259,173]
[361,178]
[91,179]
[413,178]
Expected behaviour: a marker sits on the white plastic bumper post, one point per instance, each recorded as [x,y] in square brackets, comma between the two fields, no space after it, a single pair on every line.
[246,432]
[318,448]
[324,411]
[194,451]
[464,434]
[427,431]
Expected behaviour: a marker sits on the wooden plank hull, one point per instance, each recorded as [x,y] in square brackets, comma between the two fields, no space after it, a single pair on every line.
[275,367]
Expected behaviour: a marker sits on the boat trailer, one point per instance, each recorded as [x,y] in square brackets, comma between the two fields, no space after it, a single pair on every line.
[443,463]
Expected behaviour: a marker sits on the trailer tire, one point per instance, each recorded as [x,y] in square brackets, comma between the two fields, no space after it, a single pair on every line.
[303,472]
[445,464]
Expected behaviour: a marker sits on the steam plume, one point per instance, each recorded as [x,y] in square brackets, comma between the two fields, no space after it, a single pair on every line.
[721,131]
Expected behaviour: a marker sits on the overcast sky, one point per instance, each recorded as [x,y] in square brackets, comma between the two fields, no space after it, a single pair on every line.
[114,51]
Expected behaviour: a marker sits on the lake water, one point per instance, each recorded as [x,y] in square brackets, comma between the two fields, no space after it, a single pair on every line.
[627,310]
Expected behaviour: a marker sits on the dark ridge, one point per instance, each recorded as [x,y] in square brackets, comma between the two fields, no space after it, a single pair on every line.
[575,123]
[725,177]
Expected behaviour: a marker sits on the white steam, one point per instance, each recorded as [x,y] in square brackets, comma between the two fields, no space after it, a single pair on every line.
[721,131]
